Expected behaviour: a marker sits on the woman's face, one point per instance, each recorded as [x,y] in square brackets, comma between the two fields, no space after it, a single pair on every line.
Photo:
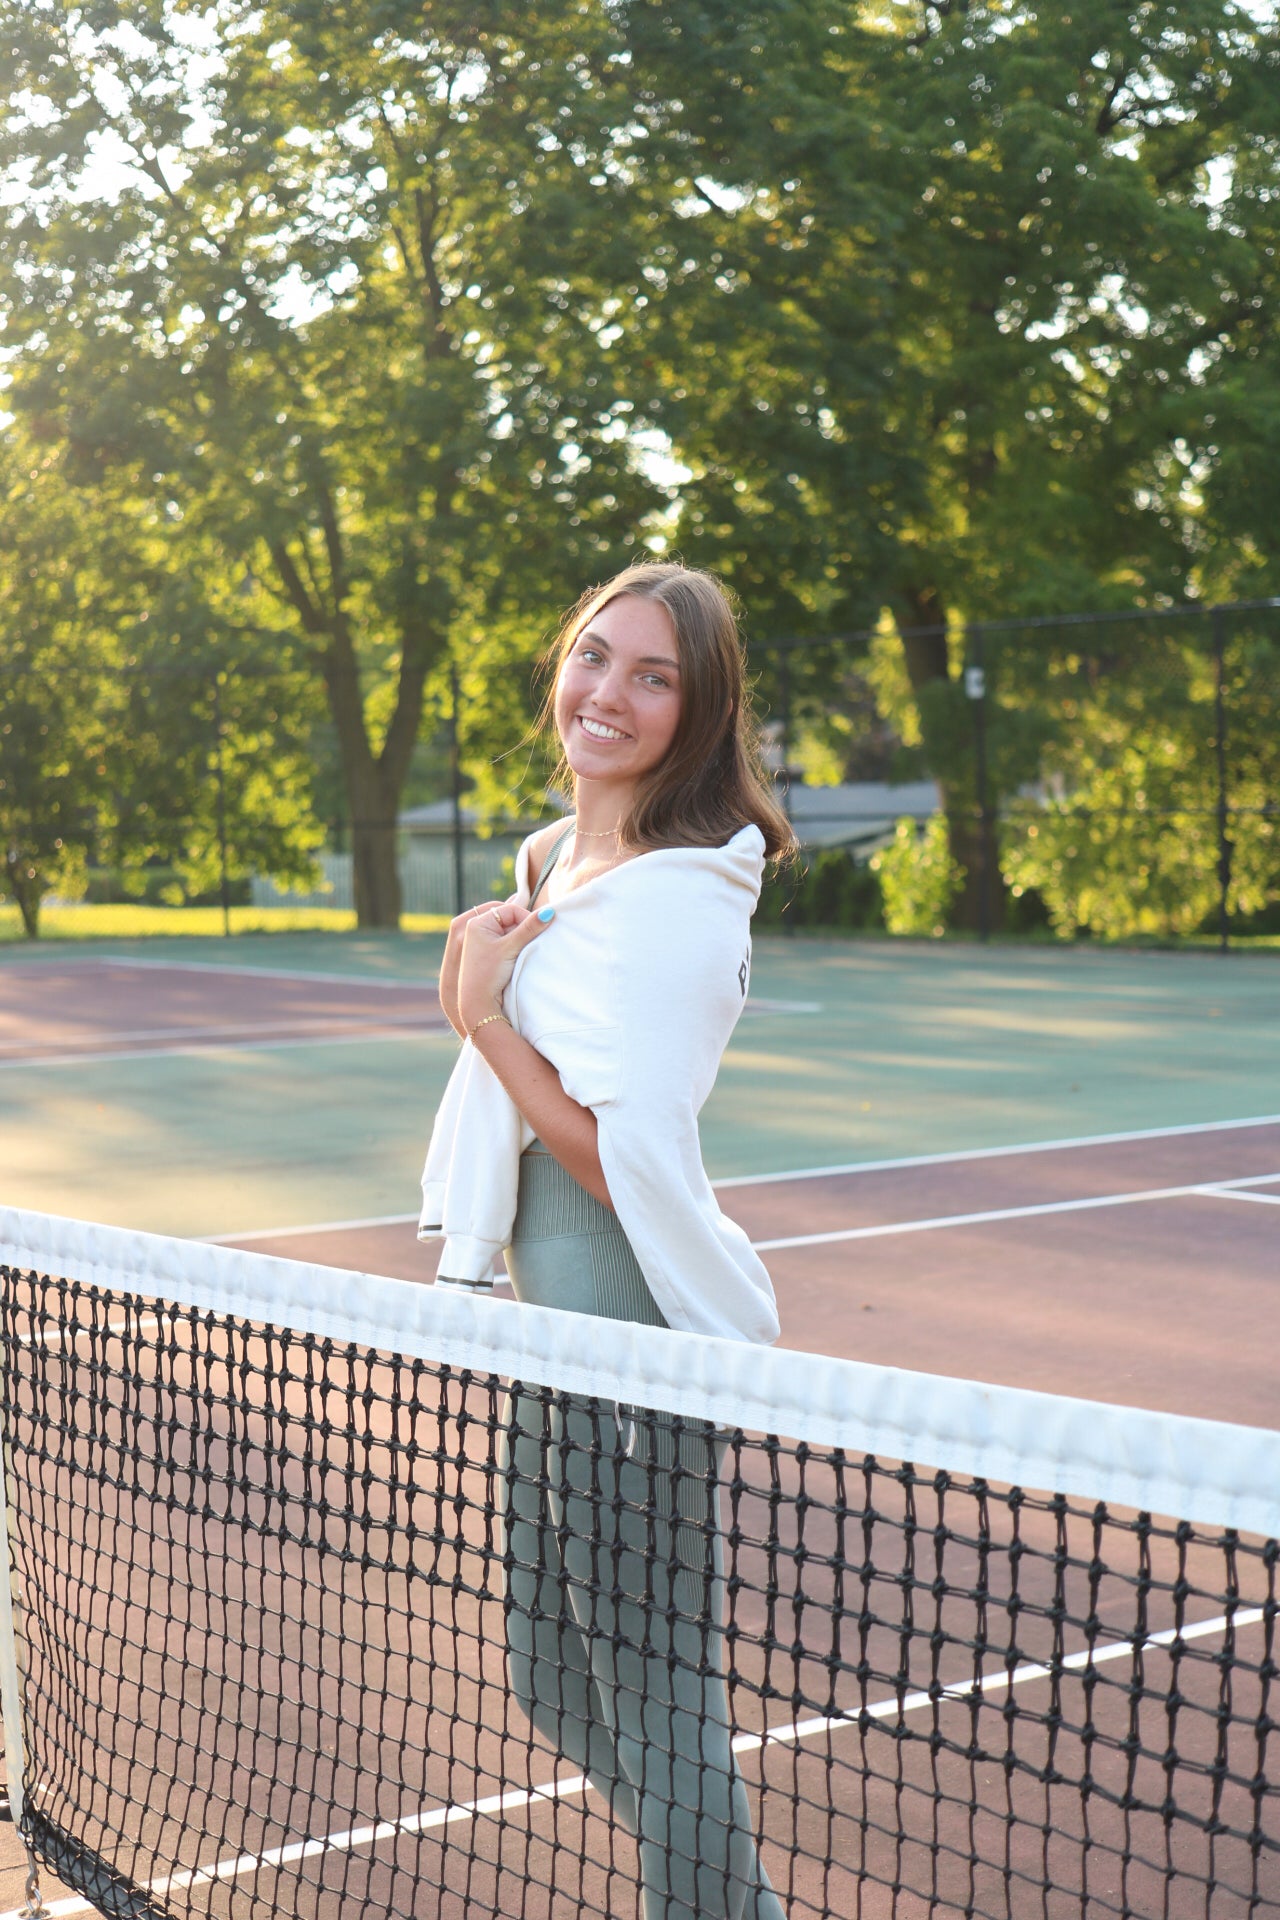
[618,694]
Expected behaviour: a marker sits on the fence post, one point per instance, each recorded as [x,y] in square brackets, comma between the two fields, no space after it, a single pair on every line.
[455,780]
[975,686]
[784,703]
[1219,622]
[221,784]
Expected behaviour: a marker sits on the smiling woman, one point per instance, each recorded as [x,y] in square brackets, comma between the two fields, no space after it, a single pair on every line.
[661,640]
[617,705]
[593,1026]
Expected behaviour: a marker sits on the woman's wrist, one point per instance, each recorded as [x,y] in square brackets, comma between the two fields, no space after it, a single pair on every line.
[486,1024]
[482,1017]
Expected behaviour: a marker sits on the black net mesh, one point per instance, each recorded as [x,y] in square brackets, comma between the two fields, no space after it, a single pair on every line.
[309,1629]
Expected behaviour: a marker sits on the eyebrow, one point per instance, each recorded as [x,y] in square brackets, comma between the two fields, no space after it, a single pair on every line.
[645,660]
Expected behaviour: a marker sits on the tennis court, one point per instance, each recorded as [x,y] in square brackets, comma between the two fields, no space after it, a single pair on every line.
[1051,1171]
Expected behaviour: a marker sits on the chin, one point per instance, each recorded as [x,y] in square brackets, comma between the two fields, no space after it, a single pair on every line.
[594,763]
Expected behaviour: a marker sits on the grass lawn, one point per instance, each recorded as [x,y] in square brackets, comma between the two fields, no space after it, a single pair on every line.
[129,921]
[133,921]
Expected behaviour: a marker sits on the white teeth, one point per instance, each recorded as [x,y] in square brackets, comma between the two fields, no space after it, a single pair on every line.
[598,730]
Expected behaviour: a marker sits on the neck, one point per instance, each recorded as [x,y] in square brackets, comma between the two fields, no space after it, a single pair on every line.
[601,806]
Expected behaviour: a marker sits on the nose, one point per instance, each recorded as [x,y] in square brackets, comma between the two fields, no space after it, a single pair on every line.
[610,690]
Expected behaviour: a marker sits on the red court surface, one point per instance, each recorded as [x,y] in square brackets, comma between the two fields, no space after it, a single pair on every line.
[1142,1271]
[54,1013]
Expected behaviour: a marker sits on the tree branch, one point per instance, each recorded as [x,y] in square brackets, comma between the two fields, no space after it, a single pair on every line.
[311,616]
[419,648]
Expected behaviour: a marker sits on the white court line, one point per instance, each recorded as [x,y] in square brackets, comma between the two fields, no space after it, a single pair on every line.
[321,1023]
[999,1153]
[1224,1193]
[1223,1189]
[321,1226]
[262,973]
[1008,1213]
[819,1173]
[753,1005]
[382,1031]
[246,1865]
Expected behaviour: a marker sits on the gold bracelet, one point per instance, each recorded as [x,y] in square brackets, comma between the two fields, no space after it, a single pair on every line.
[487,1021]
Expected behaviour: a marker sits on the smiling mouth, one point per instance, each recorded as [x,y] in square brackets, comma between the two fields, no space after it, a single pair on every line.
[598,730]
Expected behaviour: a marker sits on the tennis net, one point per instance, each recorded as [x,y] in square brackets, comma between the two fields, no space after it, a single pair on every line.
[315,1612]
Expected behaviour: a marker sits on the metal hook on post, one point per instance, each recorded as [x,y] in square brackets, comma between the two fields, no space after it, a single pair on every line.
[35,1908]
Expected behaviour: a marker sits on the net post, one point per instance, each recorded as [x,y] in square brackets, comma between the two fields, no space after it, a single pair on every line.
[11,1697]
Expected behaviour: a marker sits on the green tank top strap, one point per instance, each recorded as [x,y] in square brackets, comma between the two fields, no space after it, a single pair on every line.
[550,862]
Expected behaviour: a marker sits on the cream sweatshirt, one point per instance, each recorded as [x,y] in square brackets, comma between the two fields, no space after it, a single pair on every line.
[632,994]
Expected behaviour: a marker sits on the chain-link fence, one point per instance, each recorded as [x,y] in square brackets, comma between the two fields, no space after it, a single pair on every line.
[1111,774]
[1115,774]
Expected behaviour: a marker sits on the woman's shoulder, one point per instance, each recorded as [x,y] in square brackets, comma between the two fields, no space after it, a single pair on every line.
[738,861]
[537,848]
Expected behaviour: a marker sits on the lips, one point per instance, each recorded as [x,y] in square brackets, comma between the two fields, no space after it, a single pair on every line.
[600,730]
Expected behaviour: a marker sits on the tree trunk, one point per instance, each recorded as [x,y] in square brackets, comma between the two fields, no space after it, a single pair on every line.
[376,872]
[964,830]
[374,801]
[27,895]
[373,795]
[26,888]
[924,647]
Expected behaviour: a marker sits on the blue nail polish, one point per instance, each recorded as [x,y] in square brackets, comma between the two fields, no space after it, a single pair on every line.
[545,914]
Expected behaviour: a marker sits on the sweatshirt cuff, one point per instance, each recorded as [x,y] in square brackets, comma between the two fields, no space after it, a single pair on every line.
[431,1219]
[467,1262]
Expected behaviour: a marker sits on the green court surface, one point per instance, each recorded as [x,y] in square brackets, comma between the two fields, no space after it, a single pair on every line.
[850,1051]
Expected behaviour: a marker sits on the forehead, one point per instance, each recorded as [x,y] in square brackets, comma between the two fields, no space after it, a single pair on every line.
[634,627]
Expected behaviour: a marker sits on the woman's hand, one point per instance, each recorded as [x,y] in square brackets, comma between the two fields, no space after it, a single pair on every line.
[452,960]
[492,942]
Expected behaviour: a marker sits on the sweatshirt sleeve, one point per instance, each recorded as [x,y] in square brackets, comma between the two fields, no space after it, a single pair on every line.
[470,1180]
[681,963]
[469,1183]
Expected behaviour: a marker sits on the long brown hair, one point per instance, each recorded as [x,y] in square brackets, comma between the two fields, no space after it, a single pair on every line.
[711,781]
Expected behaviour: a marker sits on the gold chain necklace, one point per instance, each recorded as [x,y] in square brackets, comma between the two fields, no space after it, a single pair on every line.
[581,833]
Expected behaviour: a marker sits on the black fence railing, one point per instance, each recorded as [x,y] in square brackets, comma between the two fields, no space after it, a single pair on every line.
[1115,774]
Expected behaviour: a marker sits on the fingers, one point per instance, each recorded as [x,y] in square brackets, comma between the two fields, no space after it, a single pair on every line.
[458,926]
[531,926]
[507,923]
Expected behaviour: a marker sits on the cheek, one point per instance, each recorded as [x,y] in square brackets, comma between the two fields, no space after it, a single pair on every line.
[564,702]
[663,724]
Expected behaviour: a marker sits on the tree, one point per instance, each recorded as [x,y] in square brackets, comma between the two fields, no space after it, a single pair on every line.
[352,308]
[1115,745]
[964,290]
[136,725]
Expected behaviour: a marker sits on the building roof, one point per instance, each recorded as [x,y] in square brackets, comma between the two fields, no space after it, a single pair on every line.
[861,813]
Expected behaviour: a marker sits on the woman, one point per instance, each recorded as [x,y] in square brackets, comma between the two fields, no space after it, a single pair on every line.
[595,1006]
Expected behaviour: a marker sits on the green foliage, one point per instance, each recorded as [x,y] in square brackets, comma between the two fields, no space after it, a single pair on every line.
[972,315]
[1125,838]
[918,877]
[827,888]
[942,311]
[957,293]
[111,729]
[355,317]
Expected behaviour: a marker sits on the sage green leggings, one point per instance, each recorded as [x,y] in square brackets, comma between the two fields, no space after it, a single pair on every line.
[615,1583]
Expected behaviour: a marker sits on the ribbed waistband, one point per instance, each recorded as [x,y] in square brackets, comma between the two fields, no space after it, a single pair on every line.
[551,1203]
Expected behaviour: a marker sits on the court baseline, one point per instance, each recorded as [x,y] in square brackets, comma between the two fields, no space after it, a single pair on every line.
[1213,1187]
